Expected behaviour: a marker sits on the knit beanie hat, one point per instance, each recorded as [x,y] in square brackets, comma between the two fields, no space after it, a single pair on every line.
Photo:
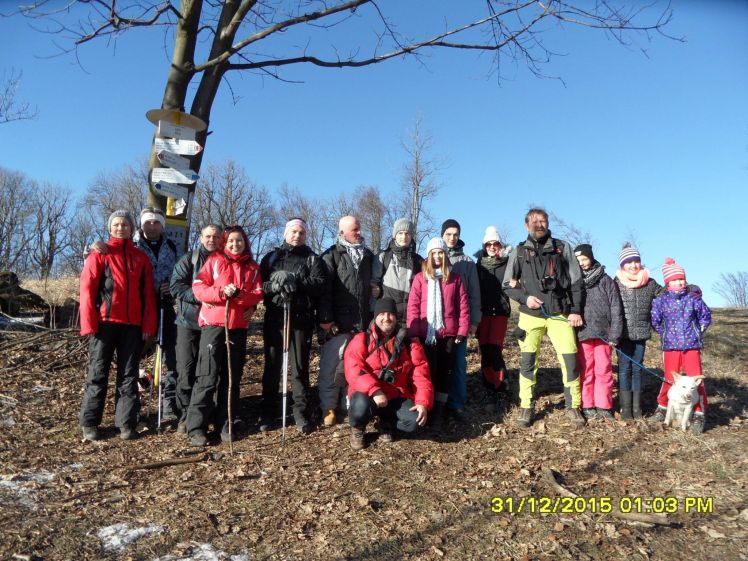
[628,254]
[491,235]
[402,225]
[586,250]
[450,223]
[672,271]
[294,222]
[120,214]
[436,243]
[150,213]
[385,305]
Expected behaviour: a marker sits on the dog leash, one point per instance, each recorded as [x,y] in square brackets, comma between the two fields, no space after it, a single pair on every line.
[604,340]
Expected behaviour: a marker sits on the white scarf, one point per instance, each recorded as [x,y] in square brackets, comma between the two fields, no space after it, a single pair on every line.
[434,308]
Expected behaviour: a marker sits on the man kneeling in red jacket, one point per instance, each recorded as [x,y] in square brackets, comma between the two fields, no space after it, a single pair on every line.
[388,377]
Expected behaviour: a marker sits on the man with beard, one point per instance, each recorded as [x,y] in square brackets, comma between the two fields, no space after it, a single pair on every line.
[544,277]
[343,309]
[295,277]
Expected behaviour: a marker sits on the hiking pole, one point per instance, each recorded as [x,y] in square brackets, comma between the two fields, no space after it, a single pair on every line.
[286,341]
[156,379]
[231,376]
[159,368]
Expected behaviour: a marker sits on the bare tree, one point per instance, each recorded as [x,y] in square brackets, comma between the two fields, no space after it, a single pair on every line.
[374,215]
[82,231]
[12,108]
[228,197]
[313,211]
[15,212]
[420,179]
[268,36]
[570,232]
[50,227]
[733,287]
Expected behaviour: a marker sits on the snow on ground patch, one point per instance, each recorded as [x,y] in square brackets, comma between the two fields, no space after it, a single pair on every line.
[202,552]
[119,536]
[23,485]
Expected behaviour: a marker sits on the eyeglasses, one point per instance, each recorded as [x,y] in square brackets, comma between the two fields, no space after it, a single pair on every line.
[491,244]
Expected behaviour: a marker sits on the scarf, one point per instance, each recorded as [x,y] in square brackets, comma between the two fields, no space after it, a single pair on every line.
[355,250]
[593,275]
[633,281]
[434,308]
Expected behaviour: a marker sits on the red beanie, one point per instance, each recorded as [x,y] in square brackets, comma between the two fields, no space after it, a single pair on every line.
[672,271]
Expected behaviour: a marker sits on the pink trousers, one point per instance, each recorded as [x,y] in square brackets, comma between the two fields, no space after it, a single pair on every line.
[596,372]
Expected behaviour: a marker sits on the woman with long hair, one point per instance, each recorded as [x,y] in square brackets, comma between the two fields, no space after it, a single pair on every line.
[230,277]
[439,315]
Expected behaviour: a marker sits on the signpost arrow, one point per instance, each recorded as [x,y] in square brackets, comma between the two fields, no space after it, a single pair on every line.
[175,117]
[171,190]
[170,175]
[172,160]
[183,147]
[165,128]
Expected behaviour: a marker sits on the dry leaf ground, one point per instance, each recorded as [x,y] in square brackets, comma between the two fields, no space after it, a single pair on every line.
[420,498]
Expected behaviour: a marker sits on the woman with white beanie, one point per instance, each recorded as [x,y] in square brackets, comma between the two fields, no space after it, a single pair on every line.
[439,315]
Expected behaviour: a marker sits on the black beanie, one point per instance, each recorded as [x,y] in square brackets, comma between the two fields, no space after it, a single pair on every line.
[450,223]
[385,305]
[586,250]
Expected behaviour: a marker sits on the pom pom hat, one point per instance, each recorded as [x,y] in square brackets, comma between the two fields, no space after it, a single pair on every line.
[628,254]
[672,271]
[491,235]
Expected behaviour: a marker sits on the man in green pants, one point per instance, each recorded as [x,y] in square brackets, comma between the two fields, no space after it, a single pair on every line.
[544,277]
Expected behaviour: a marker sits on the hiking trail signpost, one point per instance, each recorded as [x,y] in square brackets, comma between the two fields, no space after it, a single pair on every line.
[175,139]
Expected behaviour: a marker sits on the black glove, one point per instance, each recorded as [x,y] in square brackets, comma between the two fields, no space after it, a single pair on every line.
[280,279]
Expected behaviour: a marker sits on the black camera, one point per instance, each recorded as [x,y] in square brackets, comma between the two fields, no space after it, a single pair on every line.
[548,283]
[388,375]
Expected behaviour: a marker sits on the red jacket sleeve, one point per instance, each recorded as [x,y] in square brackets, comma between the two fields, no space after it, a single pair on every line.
[421,375]
[464,310]
[150,321]
[251,292]
[414,305]
[205,288]
[93,268]
[358,373]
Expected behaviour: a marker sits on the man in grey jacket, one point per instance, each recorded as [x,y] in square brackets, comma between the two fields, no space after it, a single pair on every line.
[464,266]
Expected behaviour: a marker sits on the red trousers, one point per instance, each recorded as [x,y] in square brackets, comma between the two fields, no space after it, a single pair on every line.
[688,362]
[596,371]
[491,334]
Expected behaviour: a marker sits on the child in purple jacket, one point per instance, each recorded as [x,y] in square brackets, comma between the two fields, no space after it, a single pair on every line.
[681,317]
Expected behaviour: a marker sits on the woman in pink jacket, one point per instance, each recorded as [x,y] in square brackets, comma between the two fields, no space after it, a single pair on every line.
[439,315]
[229,277]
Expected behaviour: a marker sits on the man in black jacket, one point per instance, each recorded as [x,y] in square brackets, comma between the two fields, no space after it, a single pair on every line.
[188,308]
[544,277]
[294,275]
[343,310]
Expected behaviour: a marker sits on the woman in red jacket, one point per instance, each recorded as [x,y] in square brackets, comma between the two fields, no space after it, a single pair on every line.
[439,315]
[231,276]
[118,311]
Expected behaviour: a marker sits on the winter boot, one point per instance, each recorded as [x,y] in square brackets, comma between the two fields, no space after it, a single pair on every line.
[127,433]
[636,405]
[330,418]
[386,430]
[659,415]
[605,415]
[198,438]
[624,396]
[524,417]
[575,416]
[90,433]
[590,413]
[357,438]
[436,418]
[697,423]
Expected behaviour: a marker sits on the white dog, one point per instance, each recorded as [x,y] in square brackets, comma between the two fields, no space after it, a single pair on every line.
[682,397]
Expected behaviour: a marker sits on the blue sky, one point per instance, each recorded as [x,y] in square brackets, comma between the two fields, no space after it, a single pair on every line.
[652,145]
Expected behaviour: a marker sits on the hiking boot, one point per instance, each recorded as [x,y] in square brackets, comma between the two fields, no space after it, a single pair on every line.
[659,415]
[127,433]
[386,431]
[305,428]
[605,414]
[460,416]
[330,418]
[198,439]
[168,415]
[90,433]
[266,422]
[575,416]
[590,413]
[697,424]
[182,427]
[524,418]
[357,438]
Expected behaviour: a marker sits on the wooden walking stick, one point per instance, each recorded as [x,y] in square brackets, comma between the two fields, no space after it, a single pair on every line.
[231,376]
[286,343]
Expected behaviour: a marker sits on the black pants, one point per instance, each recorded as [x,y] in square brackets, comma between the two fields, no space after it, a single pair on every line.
[188,348]
[362,408]
[210,394]
[440,357]
[298,366]
[127,342]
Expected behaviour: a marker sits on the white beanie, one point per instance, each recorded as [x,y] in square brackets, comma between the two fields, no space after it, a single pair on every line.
[491,235]
[436,243]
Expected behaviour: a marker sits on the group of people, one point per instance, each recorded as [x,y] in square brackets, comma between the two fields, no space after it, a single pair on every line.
[393,326]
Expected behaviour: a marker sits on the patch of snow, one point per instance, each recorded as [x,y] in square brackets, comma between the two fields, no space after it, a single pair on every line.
[204,552]
[19,485]
[119,536]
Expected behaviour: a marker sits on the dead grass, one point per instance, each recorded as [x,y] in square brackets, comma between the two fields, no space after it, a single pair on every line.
[54,291]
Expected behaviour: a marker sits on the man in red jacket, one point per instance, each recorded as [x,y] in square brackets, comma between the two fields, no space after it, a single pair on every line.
[387,376]
[118,311]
